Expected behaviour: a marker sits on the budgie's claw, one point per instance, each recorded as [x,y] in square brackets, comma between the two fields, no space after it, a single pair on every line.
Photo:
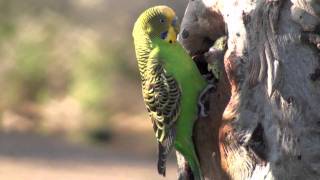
[203,101]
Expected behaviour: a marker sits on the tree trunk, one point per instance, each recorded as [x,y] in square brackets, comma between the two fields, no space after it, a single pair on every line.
[264,120]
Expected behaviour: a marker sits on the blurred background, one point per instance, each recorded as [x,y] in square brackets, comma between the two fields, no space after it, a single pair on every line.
[70,101]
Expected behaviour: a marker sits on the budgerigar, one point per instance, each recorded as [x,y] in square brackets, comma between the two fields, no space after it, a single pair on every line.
[171,84]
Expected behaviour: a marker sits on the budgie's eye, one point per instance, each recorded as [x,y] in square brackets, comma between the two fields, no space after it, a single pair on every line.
[162,20]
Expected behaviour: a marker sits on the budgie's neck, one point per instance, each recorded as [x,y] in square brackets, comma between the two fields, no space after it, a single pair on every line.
[143,47]
[142,40]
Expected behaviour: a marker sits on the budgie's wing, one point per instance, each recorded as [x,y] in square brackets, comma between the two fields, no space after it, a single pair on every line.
[162,97]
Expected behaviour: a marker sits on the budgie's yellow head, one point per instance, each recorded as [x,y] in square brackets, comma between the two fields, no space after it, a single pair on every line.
[157,22]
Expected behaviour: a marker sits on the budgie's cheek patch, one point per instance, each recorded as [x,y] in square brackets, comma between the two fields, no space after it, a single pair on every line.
[164,35]
[158,25]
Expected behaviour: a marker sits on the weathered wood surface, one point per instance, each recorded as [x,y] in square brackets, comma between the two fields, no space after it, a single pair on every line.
[264,118]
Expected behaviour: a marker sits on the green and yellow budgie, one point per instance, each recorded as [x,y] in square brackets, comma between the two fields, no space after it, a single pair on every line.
[171,84]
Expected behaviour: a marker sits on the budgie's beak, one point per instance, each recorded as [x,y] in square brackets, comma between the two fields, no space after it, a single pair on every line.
[172,35]
[173,31]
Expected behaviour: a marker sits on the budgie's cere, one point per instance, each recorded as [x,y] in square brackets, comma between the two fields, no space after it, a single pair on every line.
[171,84]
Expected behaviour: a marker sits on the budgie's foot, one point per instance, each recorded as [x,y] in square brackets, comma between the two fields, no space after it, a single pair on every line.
[203,101]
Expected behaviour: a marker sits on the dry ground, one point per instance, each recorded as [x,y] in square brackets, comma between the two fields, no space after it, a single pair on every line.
[32,157]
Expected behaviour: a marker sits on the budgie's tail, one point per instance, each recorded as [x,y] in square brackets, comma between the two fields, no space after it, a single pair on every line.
[162,158]
[164,148]
[196,171]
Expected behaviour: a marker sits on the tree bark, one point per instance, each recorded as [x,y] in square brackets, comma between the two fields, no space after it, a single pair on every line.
[264,120]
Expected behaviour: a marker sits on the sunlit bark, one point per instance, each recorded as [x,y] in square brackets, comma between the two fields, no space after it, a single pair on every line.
[264,118]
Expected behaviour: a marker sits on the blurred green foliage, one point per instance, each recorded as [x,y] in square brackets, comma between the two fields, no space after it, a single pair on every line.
[54,51]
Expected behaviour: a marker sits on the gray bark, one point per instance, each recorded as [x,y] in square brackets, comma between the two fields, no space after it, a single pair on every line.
[264,118]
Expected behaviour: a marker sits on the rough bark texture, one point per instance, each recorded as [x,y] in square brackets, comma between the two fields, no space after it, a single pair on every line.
[264,118]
